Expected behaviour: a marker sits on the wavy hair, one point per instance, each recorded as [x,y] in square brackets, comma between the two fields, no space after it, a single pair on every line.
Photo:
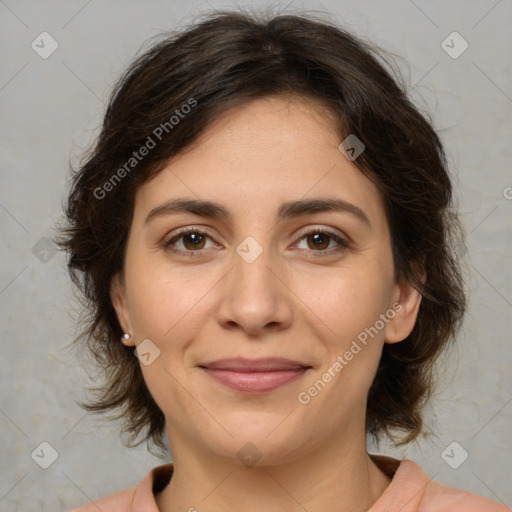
[227,59]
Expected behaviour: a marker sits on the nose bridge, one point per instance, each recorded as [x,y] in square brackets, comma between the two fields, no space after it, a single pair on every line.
[251,273]
[254,297]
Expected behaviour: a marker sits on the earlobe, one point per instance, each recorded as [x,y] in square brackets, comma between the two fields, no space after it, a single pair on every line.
[408,300]
[118,298]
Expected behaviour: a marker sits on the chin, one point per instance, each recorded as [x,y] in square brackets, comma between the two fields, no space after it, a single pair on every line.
[260,439]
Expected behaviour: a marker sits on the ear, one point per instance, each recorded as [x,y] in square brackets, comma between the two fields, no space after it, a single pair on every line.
[406,300]
[118,298]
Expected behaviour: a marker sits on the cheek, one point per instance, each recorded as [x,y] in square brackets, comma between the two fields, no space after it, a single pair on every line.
[347,302]
[169,309]
[165,305]
[351,307]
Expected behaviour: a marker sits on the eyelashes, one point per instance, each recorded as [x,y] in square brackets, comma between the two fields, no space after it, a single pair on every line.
[200,235]
[193,242]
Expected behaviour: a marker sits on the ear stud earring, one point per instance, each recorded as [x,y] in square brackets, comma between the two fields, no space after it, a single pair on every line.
[125,337]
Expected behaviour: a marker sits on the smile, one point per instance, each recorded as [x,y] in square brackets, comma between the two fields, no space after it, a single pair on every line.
[255,382]
[255,376]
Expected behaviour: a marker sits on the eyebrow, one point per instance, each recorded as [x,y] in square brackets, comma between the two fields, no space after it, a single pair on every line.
[287,210]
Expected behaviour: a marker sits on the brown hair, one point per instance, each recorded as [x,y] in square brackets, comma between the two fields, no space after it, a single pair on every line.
[227,59]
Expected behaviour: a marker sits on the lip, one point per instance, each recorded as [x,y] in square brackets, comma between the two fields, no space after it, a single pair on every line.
[242,364]
[254,375]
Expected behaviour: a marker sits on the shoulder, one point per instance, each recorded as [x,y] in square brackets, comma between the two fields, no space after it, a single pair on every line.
[113,503]
[441,498]
[141,497]
[412,490]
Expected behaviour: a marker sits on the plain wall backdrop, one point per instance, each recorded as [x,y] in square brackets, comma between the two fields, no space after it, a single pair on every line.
[51,107]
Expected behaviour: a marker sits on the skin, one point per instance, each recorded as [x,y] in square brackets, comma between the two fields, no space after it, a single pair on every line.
[292,301]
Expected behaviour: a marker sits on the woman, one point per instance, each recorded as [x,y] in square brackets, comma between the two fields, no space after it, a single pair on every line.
[265,223]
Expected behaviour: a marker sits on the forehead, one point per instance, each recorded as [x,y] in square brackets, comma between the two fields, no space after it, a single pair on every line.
[256,156]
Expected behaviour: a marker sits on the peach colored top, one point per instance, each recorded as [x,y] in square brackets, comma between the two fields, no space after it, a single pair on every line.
[410,490]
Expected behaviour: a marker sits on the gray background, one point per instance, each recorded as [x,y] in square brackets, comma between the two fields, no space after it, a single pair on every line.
[51,110]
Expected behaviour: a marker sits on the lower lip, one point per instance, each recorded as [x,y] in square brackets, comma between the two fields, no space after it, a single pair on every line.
[255,382]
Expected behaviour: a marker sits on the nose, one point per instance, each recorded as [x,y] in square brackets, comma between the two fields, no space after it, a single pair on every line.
[255,297]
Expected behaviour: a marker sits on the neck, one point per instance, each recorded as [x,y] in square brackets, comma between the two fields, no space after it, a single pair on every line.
[333,476]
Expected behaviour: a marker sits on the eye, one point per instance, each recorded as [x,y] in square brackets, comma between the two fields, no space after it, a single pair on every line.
[192,241]
[187,241]
[321,241]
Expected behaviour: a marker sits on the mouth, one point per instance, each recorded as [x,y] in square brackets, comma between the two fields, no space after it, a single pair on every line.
[255,375]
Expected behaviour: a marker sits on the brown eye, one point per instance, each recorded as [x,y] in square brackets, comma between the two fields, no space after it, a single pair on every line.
[318,240]
[187,242]
[193,240]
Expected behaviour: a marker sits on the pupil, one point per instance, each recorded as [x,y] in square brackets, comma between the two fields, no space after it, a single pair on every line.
[193,239]
[318,240]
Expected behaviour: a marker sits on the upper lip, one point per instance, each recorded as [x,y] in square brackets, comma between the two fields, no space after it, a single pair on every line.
[254,365]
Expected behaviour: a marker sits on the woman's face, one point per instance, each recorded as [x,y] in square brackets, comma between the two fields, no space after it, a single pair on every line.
[252,281]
